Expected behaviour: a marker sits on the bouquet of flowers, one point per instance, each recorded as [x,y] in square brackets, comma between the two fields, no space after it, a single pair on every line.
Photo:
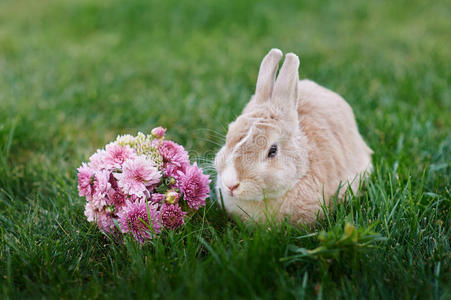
[141,184]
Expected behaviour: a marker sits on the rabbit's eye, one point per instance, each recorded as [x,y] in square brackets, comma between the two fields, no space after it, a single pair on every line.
[272,151]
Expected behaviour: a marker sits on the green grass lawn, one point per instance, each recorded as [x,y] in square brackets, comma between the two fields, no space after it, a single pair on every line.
[74,74]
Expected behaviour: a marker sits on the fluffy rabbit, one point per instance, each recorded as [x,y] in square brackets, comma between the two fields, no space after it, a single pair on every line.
[295,145]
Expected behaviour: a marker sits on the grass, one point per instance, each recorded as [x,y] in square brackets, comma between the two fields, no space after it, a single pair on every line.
[74,74]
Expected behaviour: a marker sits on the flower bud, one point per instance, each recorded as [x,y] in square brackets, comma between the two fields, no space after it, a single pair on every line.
[172,197]
[158,132]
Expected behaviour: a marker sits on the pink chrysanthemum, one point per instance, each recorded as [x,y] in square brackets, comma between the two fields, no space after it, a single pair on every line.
[138,174]
[113,181]
[194,186]
[134,218]
[89,212]
[101,187]
[175,157]
[116,155]
[121,186]
[158,198]
[116,198]
[103,218]
[97,160]
[172,216]
[134,198]
[85,181]
[105,221]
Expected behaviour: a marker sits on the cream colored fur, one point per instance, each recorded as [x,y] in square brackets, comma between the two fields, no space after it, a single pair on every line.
[318,145]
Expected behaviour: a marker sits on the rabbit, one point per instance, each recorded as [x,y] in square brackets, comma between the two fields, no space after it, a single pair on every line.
[295,146]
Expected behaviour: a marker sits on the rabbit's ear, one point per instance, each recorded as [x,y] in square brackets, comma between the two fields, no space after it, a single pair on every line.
[267,75]
[285,88]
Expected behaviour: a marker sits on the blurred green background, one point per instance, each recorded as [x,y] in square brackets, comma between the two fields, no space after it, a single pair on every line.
[74,74]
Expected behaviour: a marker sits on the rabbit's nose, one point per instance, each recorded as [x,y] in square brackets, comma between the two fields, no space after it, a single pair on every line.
[233,187]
